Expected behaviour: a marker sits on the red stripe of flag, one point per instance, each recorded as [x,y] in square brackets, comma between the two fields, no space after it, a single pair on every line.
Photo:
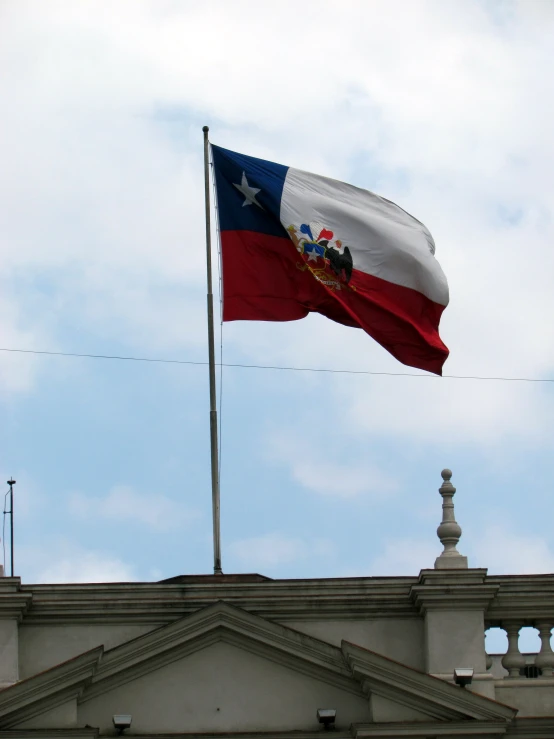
[265,278]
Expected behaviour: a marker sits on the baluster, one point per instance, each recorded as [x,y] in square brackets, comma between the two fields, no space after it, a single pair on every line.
[513,660]
[545,658]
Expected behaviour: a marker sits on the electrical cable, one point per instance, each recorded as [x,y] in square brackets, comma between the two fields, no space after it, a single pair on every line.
[283,368]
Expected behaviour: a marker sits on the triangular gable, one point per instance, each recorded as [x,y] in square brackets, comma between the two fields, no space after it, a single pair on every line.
[222,622]
[99,671]
[426,694]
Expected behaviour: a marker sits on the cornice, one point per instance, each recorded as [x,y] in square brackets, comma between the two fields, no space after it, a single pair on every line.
[532,728]
[525,683]
[280,600]
[448,729]
[92,733]
[470,576]
[527,598]
[50,734]
[296,734]
[453,590]
[14,602]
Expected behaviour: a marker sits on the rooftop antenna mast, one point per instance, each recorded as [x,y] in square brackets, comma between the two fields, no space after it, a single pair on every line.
[11,483]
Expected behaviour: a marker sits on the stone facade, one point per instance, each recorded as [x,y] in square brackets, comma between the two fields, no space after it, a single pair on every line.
[237,655]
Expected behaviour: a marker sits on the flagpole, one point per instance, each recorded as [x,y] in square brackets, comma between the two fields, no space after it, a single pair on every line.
[211,352]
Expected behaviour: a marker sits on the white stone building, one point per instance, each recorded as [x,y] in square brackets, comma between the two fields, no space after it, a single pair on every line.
[241,655]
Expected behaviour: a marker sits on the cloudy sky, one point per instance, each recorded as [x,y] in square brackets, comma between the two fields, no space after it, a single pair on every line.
[445,107]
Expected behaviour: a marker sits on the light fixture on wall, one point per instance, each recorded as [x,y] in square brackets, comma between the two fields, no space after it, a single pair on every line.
[326,716]
[122,721]
[463,676]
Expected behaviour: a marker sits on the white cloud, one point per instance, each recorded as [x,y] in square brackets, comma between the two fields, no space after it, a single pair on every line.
[405,556]
[85,567]
[312,465]
[505,550]
[449,108]
[124,504]
[17,370]
[499,547]
[276,549]
[342,481]
[452,411]
[67,562]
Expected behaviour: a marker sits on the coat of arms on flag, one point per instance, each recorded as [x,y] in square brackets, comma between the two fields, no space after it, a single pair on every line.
[329,262]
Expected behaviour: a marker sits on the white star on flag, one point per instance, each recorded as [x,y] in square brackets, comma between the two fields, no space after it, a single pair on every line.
[248,192]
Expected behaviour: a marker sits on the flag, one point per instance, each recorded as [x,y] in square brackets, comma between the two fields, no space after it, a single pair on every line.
[294,243]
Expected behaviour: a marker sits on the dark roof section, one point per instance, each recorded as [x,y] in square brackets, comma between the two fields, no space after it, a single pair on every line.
[200,579]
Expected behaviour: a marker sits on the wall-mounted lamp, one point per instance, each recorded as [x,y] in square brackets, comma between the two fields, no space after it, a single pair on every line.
[122,721]
[463,676]
[327,716]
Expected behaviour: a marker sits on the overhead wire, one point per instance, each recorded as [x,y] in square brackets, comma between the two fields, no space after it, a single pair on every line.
[281,368]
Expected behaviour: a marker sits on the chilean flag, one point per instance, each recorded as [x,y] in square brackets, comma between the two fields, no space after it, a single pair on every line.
[294,243]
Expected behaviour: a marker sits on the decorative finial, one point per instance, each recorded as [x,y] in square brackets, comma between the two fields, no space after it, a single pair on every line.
[449,532]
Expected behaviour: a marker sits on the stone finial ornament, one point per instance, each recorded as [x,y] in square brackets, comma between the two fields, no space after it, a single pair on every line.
[449,532]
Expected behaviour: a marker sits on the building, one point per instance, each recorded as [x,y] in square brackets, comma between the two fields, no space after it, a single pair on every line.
[242,655]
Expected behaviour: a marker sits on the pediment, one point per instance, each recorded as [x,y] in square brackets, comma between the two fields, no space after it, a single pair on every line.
[223,623]
[207,650]
[224,669]
[222,688]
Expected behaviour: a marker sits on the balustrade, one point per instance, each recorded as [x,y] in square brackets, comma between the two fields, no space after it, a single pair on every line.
[521,666]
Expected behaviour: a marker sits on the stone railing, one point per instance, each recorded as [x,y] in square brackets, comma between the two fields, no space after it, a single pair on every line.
[522,601]
[524,679]
[515,664]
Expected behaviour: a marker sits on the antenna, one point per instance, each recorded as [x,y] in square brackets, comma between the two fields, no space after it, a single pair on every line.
[11,483]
